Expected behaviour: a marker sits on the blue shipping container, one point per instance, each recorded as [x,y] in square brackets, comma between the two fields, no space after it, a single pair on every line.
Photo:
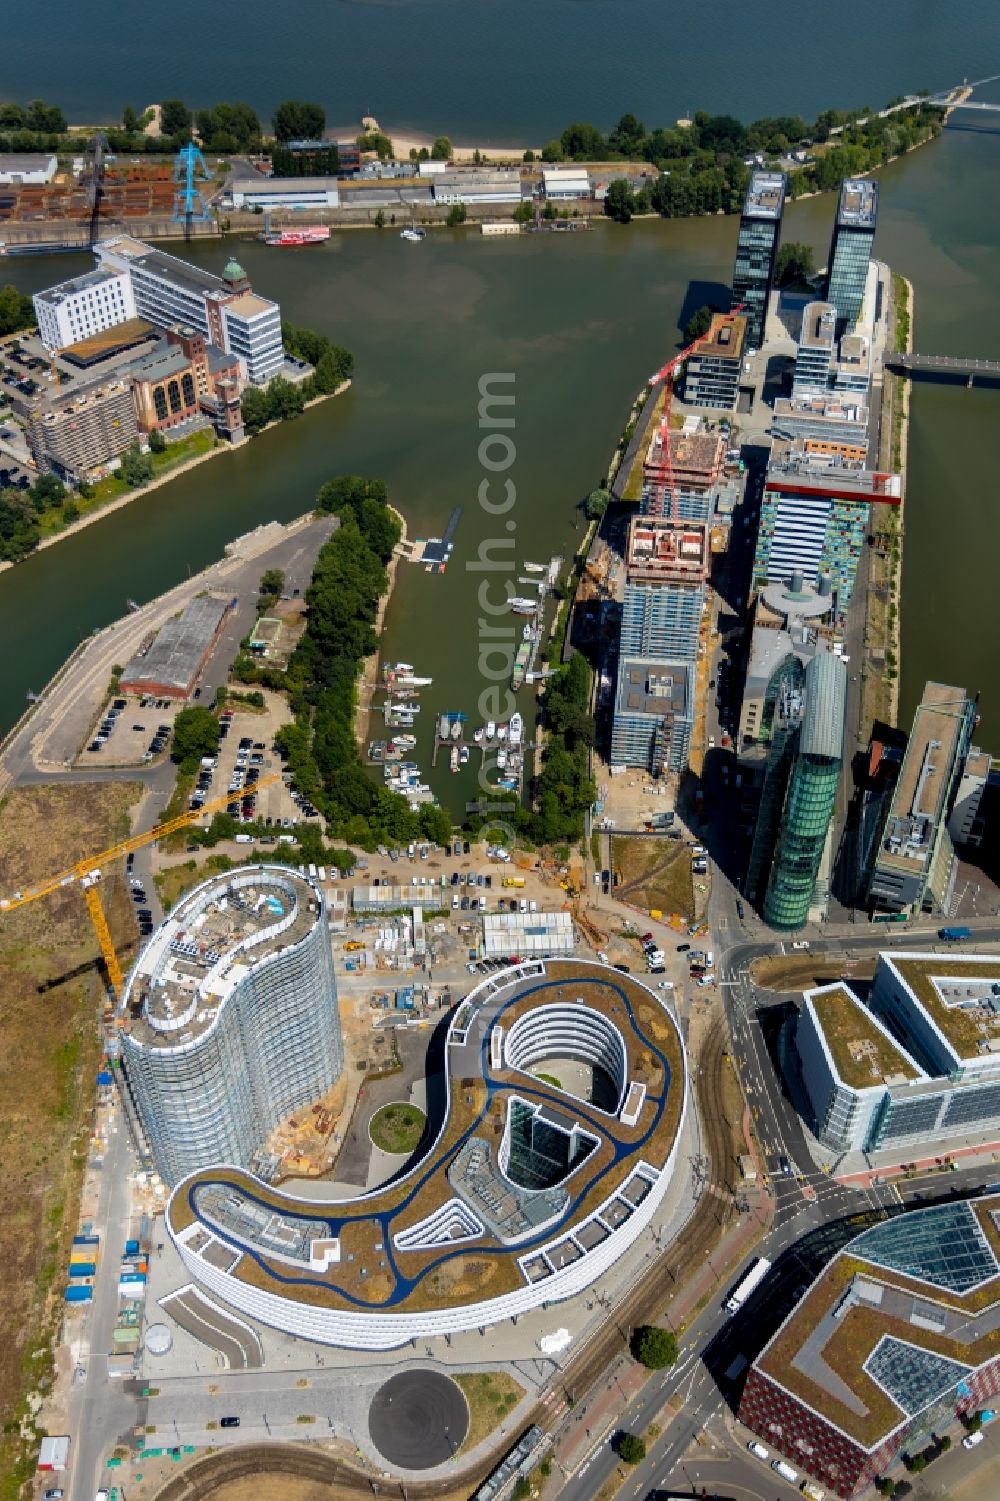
[131,1247]
[78,1294]
[83,1269]
[86,1240]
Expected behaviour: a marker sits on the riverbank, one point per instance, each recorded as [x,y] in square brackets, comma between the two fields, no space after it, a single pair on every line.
[368,682]
[99,512]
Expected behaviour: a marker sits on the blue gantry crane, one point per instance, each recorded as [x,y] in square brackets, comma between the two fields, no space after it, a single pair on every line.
[189,205]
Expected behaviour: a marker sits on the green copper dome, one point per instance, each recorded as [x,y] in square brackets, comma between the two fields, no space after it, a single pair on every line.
[233,271]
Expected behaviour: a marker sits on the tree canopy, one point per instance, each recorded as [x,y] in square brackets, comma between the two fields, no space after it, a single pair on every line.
[620,201]
[196,734]
[229,127]
[175,118]
[16,310]
[653,1347]
[441,149]
[795,262]
[631,1448]
[699,323]
[596,504]
[294,120]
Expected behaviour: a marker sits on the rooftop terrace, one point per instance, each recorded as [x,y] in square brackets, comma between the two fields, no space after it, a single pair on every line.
[765,197]
[960,995]
[858,205]
[863,1052]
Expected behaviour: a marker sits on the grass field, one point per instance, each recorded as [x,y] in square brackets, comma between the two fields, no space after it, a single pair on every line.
[491,1395]
[398,1128]
[176,880]
[655,874]
[802,971]
[48,1061]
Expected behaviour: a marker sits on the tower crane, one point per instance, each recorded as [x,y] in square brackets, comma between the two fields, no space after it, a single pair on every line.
[666,373]
[87,875]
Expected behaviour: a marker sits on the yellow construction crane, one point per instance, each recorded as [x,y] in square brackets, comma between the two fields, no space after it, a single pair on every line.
[87,875]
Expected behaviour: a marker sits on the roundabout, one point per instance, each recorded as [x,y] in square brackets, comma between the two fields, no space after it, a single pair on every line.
[567,1092]
[418,1419]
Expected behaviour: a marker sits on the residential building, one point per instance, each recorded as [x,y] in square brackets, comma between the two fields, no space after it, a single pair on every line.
[804,761]
[229,1020]
[285,192]
[712,372]
[473,186]
[915,865]
[681,472]
[791,622]
[757,251]
[83,306]
[850,250]
[662,621]
[80,433]
[814,514]
[894,1341]
[565,182]
[965,826]
[653,714]
[920,1062]
[169,291]
[27,168]
[174,382]
[661,551]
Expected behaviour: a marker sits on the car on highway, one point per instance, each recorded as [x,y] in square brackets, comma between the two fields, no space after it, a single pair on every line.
[785,1165]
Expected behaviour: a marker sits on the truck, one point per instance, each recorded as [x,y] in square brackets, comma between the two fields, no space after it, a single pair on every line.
[513,880]
[954,935]
[748,1285]
[812,1491]
[736,1368]
[785,1471]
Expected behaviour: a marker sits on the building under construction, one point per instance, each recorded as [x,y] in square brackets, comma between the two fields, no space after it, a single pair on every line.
[693,461]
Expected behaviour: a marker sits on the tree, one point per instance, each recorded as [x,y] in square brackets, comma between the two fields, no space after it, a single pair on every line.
[441,149]
[794,263]
[196,734]
[175,118]
[130,120]
[136,467]
[295,121]
[552,151]
[631,1448]
[16,310]
[886,1486]
[525,211]
[529,155]
[654,1348]
[157,442]
[48,490]
[19,530]
[456,214]
[377,142]
[944,1443]
[583,142]
[596,504]
[620,201]
[699,323]
[380,219]
[272,584]
[229,127]
[256,409]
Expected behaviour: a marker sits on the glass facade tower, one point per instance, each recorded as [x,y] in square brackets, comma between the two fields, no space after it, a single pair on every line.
[757,249]
[850,251]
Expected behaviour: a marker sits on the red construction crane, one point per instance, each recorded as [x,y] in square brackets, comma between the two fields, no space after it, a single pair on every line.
[666,373]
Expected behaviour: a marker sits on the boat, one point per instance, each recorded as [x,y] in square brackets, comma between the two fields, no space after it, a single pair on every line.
[407,680]
[501,732]
[527,631]
[520,664]
[478,735]
[516,729]
[454,758]
[397,669]
[536,568]
[523,606]
[463,755]
[413,234]
[491,730]
[456,729]
[501,759]
[309,234]
[404,742]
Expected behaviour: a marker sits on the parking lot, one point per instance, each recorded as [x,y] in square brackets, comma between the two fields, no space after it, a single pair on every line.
[246,755]
[131,731]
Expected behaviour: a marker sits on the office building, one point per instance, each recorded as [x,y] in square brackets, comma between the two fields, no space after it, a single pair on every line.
[965,826]
[791,623]
[814,513]
[229,1020]
[81,433]
[851,248]
[712,372]
[653,714]
[915,865]
[85,305]
[169,291]
[817,348]
[757,251]
[829,419]
[920,1062]
[681,472]
[804,760]
[661,551]
[894,1341]
[662,621]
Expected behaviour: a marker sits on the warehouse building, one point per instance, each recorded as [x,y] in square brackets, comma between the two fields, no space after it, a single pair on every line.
[229,1020]
[527,935]
[171,666]
[285,192]
[477,187]
[27,168]
[565,182]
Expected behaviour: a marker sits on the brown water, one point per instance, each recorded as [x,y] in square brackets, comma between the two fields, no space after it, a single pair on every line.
[580,320]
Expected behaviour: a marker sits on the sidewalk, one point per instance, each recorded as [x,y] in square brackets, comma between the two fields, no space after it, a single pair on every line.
[979,1154]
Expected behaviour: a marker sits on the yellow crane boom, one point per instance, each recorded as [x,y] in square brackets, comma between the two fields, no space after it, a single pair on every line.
[87,875]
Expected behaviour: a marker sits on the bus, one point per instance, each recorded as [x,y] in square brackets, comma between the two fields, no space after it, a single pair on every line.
[749,1284]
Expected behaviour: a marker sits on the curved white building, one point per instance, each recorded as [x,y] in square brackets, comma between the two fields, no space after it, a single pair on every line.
[531,1189]
[230,1019]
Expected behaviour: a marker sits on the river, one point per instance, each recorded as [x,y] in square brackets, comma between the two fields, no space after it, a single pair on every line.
[581,320]
[499,70]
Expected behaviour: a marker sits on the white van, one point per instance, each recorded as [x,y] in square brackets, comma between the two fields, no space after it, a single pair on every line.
[758,1451]
[785,1471]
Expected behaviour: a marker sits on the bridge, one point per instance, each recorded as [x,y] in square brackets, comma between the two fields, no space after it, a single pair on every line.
[943,364]
[944,99]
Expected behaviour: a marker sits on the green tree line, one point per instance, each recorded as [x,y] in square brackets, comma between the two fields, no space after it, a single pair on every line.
[280,399]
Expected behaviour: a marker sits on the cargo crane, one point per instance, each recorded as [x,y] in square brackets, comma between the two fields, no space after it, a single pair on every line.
[87,875]
[95,182]
[666,373]
[189,205]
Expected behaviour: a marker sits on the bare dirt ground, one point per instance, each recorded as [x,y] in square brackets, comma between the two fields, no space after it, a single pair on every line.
[48,1061]
[655,874]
